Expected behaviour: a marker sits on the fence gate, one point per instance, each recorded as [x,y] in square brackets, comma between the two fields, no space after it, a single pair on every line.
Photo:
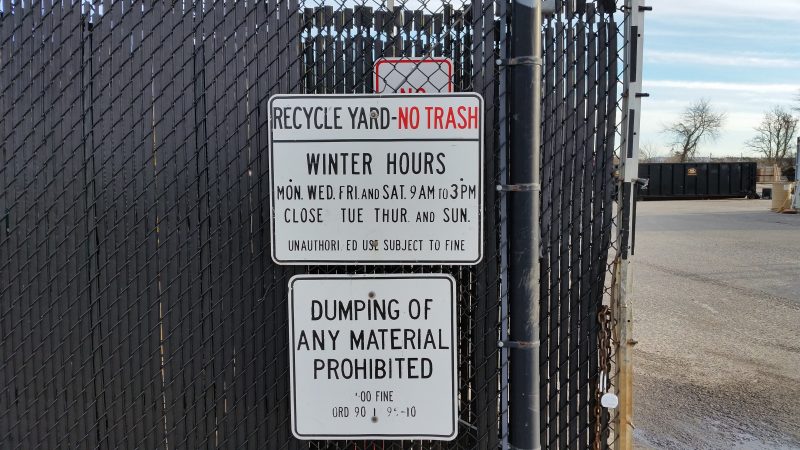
[139,304]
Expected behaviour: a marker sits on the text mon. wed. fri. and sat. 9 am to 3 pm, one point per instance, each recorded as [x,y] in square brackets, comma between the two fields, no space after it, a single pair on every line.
[376,179]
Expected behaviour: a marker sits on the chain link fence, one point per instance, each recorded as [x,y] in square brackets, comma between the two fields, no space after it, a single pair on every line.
[139,304]
[581,110]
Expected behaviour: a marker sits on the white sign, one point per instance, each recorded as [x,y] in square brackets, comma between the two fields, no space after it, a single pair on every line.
[368,179]
[413,75]
[373,356]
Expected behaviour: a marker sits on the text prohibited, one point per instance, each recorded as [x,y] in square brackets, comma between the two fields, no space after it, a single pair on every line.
[373,356]
[389,179]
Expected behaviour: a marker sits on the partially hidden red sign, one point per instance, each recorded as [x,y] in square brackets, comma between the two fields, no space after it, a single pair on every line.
[413,75]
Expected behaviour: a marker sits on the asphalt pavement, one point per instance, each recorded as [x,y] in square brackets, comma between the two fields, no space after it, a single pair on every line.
[717,315]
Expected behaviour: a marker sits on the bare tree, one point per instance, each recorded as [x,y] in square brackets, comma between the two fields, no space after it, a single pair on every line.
[698,122]
[647,152]
[774,137]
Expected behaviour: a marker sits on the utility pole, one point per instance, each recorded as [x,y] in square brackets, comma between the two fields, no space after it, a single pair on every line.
[525,66]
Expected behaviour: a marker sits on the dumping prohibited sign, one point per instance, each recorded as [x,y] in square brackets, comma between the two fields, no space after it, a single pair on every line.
[373,356]
[376,179]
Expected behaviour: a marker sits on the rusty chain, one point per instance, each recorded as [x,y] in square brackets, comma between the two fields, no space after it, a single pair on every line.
[605,320]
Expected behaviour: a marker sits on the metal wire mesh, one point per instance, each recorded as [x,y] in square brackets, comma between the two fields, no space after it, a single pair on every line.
[139,305]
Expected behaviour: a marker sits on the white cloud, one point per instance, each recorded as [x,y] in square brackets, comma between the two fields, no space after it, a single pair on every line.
[783,10]
[760,88]
[726,33]
[657,117]
[740,60]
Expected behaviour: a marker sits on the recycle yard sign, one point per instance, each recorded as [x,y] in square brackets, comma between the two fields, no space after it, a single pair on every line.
[366,179]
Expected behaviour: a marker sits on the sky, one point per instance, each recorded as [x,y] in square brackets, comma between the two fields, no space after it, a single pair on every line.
[742,55]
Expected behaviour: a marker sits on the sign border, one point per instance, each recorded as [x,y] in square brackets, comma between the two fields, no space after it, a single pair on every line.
[454,355]
[399,262]
[415,60]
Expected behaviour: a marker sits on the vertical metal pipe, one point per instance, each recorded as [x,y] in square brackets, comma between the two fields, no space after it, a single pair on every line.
[502,157]
[797,162]
[797,177]
[524,236]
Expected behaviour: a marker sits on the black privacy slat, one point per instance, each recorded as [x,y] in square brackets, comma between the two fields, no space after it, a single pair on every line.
[139,304]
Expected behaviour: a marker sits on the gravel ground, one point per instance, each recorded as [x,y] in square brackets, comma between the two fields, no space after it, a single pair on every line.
[717,317]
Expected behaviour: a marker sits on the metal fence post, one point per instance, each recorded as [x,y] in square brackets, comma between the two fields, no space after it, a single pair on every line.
[524,239]
[796,204]
[632,83]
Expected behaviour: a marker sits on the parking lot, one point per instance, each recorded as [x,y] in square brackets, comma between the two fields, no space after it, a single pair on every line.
[717,317]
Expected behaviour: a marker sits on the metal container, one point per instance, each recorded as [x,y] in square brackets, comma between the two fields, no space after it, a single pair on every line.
[698,180]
